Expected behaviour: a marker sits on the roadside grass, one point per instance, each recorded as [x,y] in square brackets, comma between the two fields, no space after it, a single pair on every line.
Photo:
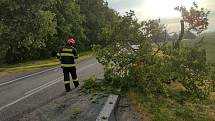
[152,108]
[37,65]
[173,107]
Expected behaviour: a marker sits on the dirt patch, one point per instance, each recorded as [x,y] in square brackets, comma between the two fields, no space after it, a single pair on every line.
[125,111]
[74,106]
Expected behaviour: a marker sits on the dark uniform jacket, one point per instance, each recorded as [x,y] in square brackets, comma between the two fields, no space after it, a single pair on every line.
[67,56]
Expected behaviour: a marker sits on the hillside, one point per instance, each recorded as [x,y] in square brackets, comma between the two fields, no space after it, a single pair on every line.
[209,45]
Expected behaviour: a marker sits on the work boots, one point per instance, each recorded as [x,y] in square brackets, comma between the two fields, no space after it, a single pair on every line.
[67,87]
[76,83]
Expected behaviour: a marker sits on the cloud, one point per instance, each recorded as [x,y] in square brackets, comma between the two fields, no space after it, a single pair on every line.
[153,9]
[209,4]
[211,17]
[125,5]
[173,24]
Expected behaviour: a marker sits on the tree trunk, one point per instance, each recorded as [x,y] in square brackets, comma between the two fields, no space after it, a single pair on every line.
[177,44]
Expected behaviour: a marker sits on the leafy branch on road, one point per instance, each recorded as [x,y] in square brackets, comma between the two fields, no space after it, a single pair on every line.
[153,65]
[97,86]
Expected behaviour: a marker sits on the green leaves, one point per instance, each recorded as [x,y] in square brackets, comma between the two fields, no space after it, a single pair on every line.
[46,23]
[99,19]
[35,29]
[27,26]
[197,19]
[154,65]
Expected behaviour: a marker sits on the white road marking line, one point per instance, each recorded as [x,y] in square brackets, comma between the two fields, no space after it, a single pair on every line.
[36,90]
[5,83]
[42,86]
[81,69]
[57,78]
[60,80]
[26,96]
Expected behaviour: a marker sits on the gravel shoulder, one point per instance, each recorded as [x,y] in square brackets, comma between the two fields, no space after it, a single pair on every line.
[74,106]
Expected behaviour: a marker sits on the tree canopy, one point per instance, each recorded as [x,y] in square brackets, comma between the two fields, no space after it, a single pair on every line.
[36,29]
[140,58]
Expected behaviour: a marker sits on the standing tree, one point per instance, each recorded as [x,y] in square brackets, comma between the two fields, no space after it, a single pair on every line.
[25,26]
[196,19]
[152,65]
[34,29]
[69,24]
[100,20]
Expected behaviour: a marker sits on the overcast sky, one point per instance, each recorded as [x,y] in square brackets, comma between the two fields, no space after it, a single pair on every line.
[164,9]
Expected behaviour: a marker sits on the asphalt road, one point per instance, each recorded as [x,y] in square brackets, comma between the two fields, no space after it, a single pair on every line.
[21,93]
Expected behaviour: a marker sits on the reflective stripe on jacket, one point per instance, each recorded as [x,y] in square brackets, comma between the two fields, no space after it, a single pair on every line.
[67,56]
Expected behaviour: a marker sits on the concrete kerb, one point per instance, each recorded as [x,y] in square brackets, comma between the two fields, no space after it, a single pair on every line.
[108,111]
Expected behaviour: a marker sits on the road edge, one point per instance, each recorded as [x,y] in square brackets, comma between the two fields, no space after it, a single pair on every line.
[38,72]
[29,68]
[108,111]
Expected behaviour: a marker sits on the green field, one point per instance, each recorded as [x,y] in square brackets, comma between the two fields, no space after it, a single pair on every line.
[174,107]
[209,44]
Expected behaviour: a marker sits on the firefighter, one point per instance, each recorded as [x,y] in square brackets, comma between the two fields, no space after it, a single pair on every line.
[67,56]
